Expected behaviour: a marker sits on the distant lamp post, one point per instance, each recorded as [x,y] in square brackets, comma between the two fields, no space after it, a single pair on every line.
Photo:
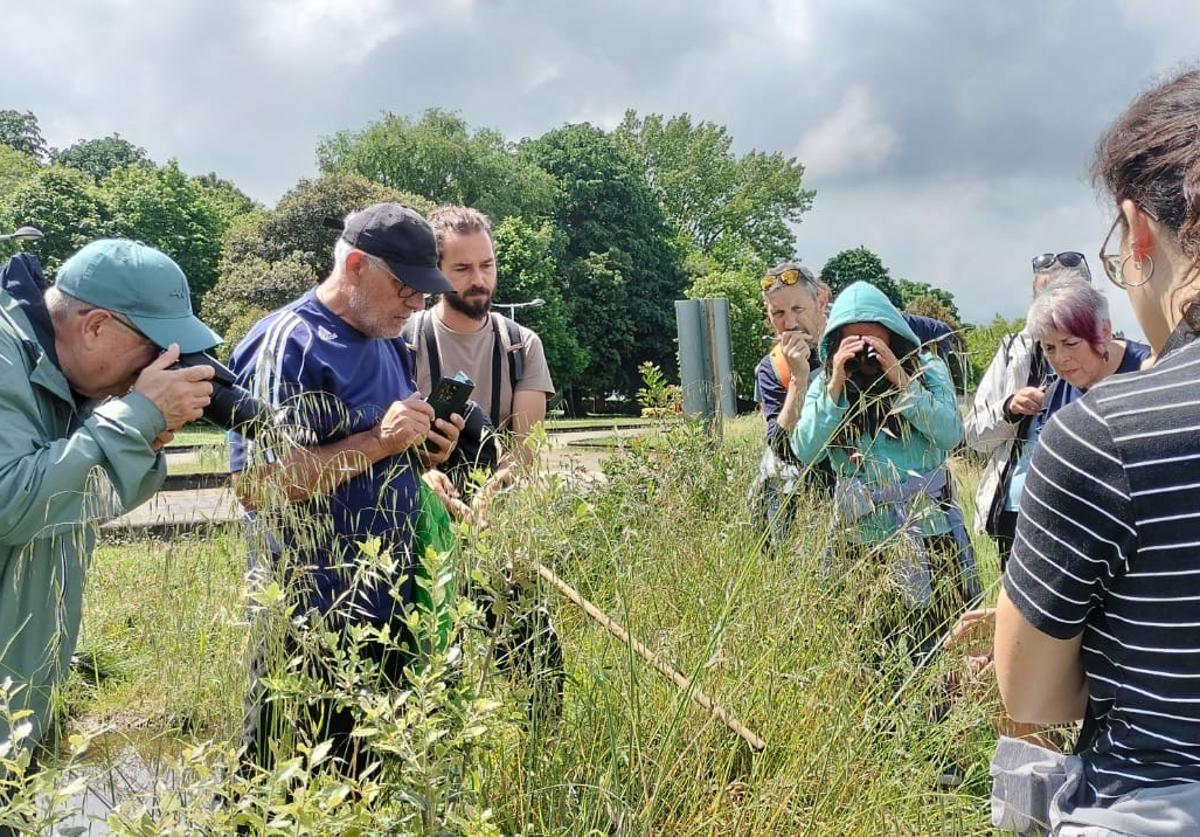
[23,234]
[513,306]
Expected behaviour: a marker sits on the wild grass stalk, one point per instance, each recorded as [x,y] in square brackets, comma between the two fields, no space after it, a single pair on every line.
[789,639]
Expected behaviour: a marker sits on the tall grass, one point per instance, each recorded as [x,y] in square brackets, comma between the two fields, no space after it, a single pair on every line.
[788,643]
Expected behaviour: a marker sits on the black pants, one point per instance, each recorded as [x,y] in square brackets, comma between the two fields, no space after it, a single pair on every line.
[275,721]
[1006,531]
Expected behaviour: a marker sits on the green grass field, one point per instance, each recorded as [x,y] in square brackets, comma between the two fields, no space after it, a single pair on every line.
[665,547]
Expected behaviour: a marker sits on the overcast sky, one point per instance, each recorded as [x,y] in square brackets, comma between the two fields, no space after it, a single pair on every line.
[952,138]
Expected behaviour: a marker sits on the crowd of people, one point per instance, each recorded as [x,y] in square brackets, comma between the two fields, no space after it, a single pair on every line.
[1087,491]
[1088,439]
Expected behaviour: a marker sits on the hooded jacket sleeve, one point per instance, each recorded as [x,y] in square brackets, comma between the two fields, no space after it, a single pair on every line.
[44,482]
[928,404]
[819,420]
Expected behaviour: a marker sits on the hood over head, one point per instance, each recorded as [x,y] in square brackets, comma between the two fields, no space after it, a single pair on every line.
[862,302]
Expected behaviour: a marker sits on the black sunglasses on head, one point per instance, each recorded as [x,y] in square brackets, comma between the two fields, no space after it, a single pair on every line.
[1068,259]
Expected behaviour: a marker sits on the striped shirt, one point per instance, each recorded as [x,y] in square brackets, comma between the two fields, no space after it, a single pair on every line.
[1108,546]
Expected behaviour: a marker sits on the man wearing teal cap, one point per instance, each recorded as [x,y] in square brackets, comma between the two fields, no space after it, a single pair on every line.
[87,397]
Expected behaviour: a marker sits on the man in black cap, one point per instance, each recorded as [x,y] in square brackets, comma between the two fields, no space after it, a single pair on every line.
[351,420]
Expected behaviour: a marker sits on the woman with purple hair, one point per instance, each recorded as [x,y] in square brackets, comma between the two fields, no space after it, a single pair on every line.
[1070,321]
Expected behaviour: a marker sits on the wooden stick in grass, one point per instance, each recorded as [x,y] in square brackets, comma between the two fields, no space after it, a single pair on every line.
[599,616]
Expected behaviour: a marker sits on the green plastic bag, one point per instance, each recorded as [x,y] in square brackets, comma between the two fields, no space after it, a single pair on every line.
[435,530]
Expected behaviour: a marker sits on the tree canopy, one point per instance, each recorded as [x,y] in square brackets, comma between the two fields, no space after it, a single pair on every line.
[438,157]
[608,227]
[100,157]
[738,210]
[68,208]
[21,131]
[613,223]
[163,207]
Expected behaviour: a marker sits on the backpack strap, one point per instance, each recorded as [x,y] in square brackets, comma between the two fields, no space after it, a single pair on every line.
[516,353]
[515,350]
[422,331]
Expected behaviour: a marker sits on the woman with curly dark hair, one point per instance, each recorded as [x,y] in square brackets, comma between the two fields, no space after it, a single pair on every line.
[1100,608]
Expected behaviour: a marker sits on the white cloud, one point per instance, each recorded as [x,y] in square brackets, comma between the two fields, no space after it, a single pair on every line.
[853,138]
[972,236]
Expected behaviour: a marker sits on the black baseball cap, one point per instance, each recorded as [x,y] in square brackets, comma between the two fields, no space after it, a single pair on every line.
[400,236]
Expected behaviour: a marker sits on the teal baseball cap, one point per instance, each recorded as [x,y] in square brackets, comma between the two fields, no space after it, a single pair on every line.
[144,284]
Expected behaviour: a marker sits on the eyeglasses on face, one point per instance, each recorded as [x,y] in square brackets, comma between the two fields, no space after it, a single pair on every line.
[1114,263]
[1069,258]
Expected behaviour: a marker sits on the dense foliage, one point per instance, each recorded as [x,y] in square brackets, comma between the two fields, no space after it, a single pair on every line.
[609,228]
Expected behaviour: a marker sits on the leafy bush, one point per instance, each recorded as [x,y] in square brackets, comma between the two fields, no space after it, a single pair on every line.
[251,288]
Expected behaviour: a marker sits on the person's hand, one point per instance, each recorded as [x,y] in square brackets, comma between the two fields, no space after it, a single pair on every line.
[796,348]
[974,633]
[1027,401]
[441,439]
[445,490]
[162,440]
[847,349]
[179,394]
[891,367]
[404,424]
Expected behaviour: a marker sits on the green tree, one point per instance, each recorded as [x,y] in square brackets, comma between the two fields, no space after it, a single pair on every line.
[527,268]
[929,305]
[16,167]
[747,321]
[736,209]
[910,291]
[983,341]
[229,201]
[613,223]
[20,131]
[66,206]
[101,157]
[598,289]
[251,288]
[860,265]
[439,157]
[295,225]
[164,208]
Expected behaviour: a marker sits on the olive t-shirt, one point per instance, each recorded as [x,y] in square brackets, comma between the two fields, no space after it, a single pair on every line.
[471,352]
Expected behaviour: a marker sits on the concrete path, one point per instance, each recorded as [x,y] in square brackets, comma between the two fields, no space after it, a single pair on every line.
[217,505]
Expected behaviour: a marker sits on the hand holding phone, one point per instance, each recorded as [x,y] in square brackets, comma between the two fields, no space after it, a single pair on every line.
[450,395]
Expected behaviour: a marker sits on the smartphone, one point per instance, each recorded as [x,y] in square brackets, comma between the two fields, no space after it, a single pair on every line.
[450,395]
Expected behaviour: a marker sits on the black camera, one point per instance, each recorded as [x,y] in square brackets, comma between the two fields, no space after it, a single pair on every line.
[232,407]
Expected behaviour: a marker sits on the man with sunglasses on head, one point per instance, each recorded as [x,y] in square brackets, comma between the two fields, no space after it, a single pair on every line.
[88,399]
[1011,394]
[352,439]
[795,306]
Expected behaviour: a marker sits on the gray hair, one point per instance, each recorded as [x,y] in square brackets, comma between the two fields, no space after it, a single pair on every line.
[61,305]
[343,248]
[1069,306]
[1058,272]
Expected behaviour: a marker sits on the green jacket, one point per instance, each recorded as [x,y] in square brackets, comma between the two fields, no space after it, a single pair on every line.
[932,425]
[61,470]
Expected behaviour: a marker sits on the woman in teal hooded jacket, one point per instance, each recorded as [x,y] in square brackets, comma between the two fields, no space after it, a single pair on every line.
[884,414]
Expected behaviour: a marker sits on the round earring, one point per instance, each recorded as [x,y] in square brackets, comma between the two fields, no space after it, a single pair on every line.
[1138,263]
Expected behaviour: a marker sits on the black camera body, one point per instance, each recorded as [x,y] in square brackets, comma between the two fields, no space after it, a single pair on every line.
[232,407]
